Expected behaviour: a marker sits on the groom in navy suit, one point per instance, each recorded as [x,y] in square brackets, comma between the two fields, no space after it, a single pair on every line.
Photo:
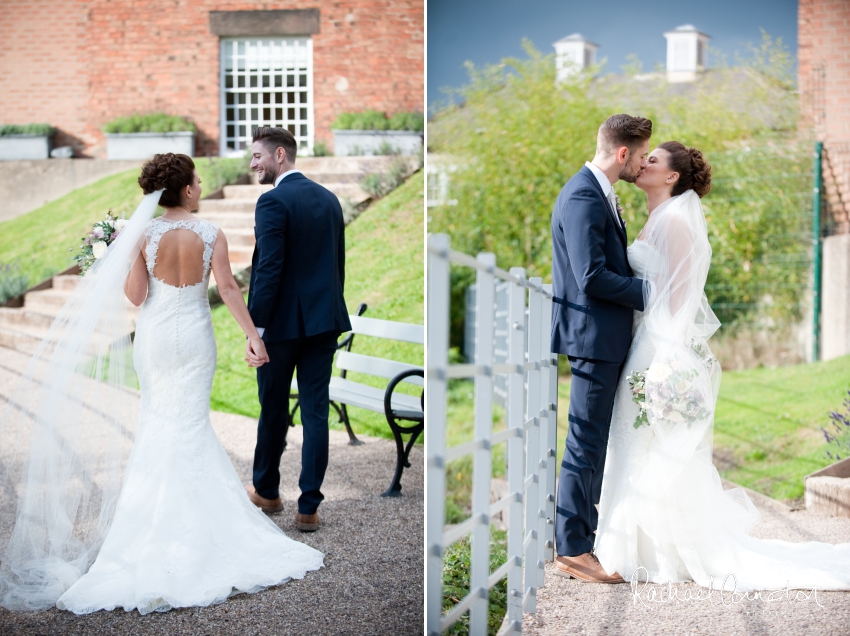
[596,296]
[296,302]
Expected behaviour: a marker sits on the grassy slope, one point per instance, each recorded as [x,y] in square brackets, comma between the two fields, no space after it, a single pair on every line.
[40,240]
[384,268]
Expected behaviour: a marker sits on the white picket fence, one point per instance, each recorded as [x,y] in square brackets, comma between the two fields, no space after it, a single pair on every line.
[530,435]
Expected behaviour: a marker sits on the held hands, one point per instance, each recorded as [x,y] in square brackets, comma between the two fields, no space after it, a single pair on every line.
[255,351]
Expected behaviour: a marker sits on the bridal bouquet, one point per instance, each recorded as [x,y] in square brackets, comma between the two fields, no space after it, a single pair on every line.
[669,391]
[94,245]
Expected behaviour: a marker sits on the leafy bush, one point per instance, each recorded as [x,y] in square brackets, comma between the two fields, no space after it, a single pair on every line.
[27,129]
[375,120]
[13,282]
[320,149]
[456,564]
[379,184]
[518,136]
[150,122]
[216,172]
[407,121]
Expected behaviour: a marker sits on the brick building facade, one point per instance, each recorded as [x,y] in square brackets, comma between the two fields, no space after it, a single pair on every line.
[77,64]
[823,37]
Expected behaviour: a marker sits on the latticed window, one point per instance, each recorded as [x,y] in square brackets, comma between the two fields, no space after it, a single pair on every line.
[266,82]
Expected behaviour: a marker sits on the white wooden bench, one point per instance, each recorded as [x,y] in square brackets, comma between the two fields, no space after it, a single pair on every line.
[405,413]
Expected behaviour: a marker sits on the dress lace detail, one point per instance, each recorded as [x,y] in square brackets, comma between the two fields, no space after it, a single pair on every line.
[184,531]
[158,227]
[663,506]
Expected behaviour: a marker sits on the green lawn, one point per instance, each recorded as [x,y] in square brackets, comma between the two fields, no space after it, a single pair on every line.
[40,241]
[384,268]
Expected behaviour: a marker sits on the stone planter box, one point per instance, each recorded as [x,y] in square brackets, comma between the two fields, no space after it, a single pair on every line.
[368,142]
[25,147]
[147,144]
[828,490]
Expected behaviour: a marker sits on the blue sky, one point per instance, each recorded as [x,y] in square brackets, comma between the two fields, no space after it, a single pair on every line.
[485,31]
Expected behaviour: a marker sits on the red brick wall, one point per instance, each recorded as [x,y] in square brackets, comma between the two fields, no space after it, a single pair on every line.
[823,37]
[43,77]
[102,59]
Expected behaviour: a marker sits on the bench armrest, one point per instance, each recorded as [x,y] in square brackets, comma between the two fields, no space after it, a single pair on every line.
[388,395]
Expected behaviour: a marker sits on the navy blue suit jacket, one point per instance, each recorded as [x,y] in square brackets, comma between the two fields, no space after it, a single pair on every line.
[298,267]
[595,292]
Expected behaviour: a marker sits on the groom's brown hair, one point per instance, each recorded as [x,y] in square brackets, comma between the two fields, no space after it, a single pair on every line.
[274,138]
[623,130]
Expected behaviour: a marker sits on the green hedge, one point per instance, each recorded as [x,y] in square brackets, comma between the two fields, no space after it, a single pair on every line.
[375,120]
[150,122]
[27,129]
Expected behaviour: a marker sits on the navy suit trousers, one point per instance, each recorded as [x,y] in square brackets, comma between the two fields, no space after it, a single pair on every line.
[592,391]
[312,357]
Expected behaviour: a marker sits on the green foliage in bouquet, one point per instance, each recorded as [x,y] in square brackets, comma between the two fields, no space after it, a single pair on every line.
[150,122]
[94,245]
[27,129]
[517,136]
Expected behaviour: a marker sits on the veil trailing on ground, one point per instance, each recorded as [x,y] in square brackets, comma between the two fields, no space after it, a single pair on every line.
[67,431]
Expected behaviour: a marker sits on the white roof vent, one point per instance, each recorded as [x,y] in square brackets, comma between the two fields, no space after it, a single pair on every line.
[573,54]
[686,53]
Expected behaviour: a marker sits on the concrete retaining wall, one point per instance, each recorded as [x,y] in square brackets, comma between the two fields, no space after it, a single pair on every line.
[27,185]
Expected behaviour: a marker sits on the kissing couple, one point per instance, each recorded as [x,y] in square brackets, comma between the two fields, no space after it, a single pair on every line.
[637,489]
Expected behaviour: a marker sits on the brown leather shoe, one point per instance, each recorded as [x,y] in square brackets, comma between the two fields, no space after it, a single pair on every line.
[307,523]
[585,567]
[269,506]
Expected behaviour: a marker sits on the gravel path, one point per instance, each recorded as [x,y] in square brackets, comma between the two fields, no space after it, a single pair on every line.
[372,582]
[567,606]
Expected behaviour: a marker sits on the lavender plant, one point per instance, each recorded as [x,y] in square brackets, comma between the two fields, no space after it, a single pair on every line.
[838,437]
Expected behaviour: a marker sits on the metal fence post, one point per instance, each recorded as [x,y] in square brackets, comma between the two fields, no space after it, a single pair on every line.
[435,431]
[532,484]
[536,354]
[552,433]
[816,248]
[482,468]
[515,455]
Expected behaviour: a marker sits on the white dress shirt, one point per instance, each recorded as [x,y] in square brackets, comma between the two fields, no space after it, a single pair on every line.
[607,189]
[280,178]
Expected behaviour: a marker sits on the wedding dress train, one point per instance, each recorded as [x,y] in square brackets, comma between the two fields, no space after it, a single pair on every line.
[184,532]
[663,507]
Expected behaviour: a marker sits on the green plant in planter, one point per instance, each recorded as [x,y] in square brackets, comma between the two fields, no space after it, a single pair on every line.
[320,149]
[27,129]
[13,282]
[374,120]
[150,122]
[408,121]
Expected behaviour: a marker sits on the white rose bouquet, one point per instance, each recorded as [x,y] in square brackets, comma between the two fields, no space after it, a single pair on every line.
[668,391]
[94,245]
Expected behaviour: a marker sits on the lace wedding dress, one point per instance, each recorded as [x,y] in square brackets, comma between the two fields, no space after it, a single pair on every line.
[663,507]
[184,532]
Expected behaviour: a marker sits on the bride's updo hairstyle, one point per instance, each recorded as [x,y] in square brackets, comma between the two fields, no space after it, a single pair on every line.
[169,171]
[694,171]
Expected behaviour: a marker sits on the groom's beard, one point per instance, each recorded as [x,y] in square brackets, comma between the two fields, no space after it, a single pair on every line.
[266,178]
[628,176]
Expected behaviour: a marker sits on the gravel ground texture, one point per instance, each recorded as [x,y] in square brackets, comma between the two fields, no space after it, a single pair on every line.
[567,606]
[372,582]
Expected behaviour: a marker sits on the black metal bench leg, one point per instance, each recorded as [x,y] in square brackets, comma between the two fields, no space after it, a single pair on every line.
[343,417]
[402,455]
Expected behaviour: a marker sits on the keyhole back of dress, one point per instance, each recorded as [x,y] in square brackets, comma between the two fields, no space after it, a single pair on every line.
[180,258]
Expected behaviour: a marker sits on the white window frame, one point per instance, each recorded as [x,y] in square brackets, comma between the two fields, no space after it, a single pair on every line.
[270,61]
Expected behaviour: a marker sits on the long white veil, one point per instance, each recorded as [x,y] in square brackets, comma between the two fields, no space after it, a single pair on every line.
[67,431]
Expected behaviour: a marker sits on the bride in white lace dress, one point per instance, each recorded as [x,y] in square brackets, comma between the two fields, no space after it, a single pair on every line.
[183,532]
[663,507]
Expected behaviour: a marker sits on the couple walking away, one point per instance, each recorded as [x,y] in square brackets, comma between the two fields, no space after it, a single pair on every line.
[142,509]
[639,446]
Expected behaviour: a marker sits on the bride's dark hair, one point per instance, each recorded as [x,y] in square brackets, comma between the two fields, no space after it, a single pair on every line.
[169,171]
[694,171]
